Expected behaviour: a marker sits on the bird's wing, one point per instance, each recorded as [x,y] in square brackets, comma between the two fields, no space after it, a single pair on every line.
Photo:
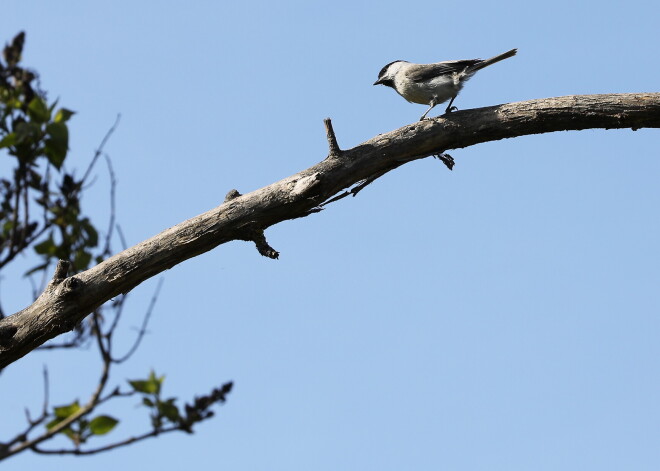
[423,72]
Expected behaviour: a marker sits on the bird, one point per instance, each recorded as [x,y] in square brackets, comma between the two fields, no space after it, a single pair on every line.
[432,84]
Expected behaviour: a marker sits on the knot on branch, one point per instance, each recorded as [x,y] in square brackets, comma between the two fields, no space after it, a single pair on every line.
[72,284]
[259,238]
[305,184]
[232,194]
[64,285]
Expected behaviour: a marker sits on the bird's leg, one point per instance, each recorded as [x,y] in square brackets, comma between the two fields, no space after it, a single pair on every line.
[433,103]
[451,108]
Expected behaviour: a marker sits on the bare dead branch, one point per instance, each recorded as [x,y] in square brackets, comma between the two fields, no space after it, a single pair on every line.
[61,270]
[333,146]
[62,305]
[262,246]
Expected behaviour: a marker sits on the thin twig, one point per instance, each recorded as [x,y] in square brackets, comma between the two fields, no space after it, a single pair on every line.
[17,250]
[359,186]
[128,441]
[105,352]
[122,239]
[55,346]
[99,151]
[46,193]
[143,329]
[26,213]
[118,306]
[32,423]
[111,223]
[83,411]
[14,225]
[44,410]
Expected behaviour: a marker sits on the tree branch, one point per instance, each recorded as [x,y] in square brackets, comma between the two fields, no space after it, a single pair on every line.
[128,441]
[66,302]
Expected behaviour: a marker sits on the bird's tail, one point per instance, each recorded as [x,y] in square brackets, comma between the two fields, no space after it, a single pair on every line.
[493,60]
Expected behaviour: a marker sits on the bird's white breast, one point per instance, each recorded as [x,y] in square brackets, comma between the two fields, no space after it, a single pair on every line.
[440,88]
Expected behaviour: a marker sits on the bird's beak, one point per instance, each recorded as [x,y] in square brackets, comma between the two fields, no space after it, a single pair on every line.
[378,82]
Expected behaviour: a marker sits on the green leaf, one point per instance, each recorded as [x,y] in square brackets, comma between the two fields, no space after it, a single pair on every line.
[63,412]
[146,387]
[81,260]
[169,410]
[38,110]
[27,132]
[147,402]
[52,107]
[74,436]
[149,386]
[57,143]
[90,230]
[139,385]
[156,379]
[63,115]
[8,140]
[47,247]
[13,102]
[66,431]
[7,228]
[102,424]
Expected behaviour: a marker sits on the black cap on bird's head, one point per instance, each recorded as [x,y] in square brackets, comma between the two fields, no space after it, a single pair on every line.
[384,78]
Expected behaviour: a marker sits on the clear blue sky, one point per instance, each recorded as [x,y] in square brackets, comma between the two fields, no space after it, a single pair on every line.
[503,316]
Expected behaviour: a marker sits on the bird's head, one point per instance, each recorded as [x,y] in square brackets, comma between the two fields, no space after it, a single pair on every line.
[387,73]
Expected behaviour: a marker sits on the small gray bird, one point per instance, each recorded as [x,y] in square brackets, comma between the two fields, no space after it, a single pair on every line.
[432,84]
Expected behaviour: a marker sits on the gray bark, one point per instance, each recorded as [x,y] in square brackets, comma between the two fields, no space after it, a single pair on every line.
[67,300]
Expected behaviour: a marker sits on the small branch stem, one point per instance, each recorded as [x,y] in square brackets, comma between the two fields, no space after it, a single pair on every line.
[128,441]
[334,150]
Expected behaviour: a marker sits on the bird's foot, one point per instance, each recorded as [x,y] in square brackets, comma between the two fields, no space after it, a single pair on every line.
[451,109]
[447,159]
